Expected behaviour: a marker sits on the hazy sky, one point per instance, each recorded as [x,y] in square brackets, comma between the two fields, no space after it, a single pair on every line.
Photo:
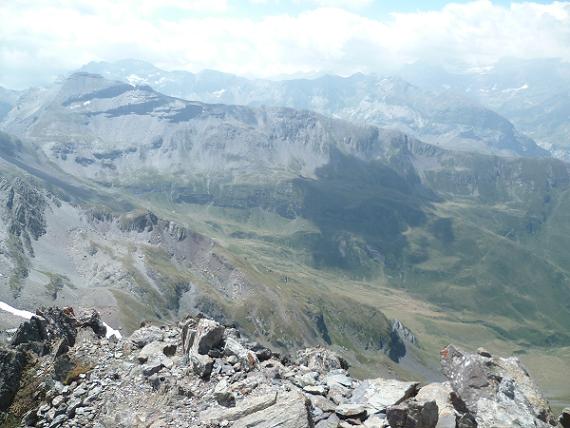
[41,39]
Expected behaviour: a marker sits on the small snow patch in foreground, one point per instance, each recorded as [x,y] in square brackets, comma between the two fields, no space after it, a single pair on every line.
[112,332]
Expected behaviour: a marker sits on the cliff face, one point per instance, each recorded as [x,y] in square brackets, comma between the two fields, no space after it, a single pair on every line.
[67,369]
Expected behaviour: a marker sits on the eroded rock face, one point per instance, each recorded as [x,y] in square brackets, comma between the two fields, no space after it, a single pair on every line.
[496,391]
[32,331]
[199,373]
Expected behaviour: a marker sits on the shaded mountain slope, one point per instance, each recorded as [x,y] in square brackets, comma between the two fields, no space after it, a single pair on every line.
[61,246]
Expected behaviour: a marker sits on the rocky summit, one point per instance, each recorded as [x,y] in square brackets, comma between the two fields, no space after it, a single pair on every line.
[62,368]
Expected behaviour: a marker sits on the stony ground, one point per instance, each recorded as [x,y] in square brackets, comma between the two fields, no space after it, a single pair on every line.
[60,370]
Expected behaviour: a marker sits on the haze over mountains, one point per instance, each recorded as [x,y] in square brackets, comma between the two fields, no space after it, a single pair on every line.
[445,119]
[300,227]
[533,94]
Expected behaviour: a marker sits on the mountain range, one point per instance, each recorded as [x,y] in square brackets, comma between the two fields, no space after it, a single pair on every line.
[300,227]
[447,119]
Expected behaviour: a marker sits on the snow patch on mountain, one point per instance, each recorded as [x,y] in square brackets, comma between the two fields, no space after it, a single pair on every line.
[17,312]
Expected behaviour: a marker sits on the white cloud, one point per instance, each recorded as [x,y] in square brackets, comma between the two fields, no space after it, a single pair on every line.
[41,38]
[348,4]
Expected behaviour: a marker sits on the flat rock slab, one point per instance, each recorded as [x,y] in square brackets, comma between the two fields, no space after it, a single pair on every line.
[350,410]
[375,395]
[290,411]
[338,377]
[322,403]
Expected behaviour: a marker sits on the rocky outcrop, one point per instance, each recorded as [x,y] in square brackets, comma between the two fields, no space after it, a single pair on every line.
[50,328]
[139,222]
[200,373]
[496,391]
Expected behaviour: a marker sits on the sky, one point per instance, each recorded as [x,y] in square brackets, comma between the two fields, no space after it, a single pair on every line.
[43,39]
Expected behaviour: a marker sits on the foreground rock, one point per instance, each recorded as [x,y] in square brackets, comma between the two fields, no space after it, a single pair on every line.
[442,394]
[496,391]
[413,414]
[62,371]
[376,395]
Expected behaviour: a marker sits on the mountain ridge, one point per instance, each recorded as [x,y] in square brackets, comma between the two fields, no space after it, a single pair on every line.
[365,99]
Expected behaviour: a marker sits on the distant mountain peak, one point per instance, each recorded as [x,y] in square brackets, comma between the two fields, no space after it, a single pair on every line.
[446,118]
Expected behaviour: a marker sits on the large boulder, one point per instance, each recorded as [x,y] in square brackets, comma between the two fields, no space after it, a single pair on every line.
[496,391]
[12,364]
[209,335]
[145,335]
[202,365]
